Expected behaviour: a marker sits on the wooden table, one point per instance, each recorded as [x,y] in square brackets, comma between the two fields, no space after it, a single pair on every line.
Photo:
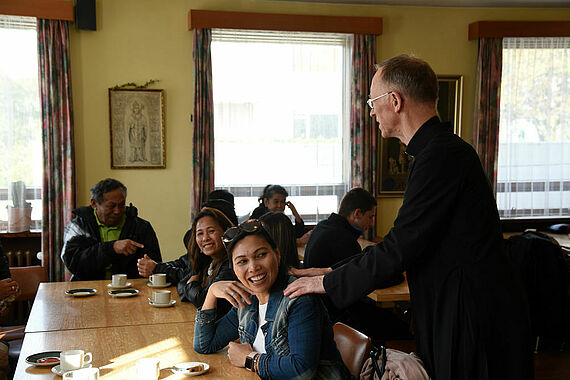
[399,292]
[116,349]
[53,310]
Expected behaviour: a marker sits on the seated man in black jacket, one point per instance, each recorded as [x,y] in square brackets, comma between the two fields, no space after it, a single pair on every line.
[108,237]
[336,238]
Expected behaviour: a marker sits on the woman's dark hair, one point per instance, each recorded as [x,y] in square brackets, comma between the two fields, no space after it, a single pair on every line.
[279,226]
[270,190]
[198,260]
[283,270]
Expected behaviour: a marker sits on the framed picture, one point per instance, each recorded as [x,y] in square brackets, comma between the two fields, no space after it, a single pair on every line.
[393,163]
[450,100]
[137,128]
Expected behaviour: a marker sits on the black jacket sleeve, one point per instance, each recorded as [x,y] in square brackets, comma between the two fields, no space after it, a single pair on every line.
[84,255]
[175,270]
[195,293]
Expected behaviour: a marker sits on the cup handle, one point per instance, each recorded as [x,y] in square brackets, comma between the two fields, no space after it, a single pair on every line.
[85,361]
[151,278]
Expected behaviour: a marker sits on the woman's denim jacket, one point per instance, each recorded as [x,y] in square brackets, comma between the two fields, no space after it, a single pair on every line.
[299,340]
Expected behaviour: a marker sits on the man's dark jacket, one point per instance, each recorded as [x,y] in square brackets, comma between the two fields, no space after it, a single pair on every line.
[332,240]
[471,317]
[86,256]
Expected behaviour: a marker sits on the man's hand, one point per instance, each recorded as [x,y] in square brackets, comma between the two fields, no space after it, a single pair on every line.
[8,287]
[237,353]
[309,272]
[146,266]
[305,285]
[126,247]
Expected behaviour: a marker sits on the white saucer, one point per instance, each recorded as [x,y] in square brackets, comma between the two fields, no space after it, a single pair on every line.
[180,368]
[127,285]
[172,302]
[57,369]
[150,285]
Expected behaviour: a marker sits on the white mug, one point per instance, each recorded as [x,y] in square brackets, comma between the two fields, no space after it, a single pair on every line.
[161,297]
[147,369]
[119,279]
[74,359]
[158,279]
[82,374]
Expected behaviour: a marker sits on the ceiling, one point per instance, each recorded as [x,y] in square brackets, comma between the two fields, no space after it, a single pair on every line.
[454,3]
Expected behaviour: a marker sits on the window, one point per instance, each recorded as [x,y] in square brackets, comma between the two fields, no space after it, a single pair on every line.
[20,118]
[281,113]
[533,174]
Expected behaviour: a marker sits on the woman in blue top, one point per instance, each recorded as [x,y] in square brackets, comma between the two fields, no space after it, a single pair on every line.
[280,338]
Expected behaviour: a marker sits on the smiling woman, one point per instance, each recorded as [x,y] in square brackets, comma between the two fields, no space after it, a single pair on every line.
[280,338]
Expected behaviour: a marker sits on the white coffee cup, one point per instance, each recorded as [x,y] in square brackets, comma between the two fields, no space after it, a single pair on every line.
[158,279]
[82,374]
[147,369]
[119,279]
[161,297]
[74,359]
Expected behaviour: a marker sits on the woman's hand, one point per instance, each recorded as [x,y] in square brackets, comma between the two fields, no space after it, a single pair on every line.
[294,211]
[237,353]
[195,277]
[8,287]
[233,291]
[145,266]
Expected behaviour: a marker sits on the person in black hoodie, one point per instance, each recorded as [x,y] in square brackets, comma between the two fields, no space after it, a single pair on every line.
[108,237]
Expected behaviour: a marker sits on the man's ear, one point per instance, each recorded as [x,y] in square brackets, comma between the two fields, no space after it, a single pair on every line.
[396,101]
[93,203]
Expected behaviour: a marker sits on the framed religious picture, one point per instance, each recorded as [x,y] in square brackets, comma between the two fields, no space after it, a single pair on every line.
[137,128]
[393,162]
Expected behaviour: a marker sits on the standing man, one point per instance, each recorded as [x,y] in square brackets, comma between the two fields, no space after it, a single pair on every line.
[336,238]
[470,313]
[108,237]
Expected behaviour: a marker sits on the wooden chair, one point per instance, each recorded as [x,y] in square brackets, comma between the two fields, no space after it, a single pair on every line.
[28,278]
[354,347]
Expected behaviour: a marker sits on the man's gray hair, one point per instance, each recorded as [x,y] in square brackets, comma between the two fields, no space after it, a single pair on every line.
[410,76]
[104,186]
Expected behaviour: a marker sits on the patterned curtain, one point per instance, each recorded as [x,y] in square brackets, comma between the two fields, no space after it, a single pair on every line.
[58,193]
[363,131]
[203,137]
[487,105]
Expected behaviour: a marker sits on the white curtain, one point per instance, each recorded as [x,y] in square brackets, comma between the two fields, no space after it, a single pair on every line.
[534,132]
[20,124]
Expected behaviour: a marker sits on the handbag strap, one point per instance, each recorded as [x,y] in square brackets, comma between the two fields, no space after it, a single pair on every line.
[375,354]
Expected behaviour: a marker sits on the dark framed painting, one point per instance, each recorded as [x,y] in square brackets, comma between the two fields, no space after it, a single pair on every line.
[137,128]
[393,163]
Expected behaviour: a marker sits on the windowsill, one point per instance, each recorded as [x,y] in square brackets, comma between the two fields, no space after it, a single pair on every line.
[31,233]
[541,224]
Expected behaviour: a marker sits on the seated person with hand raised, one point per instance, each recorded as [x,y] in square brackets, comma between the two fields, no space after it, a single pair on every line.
[107,237]
[280,338]
[274,198]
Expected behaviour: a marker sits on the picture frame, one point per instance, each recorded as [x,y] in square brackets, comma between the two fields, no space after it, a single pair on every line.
[393,163]
[137,128]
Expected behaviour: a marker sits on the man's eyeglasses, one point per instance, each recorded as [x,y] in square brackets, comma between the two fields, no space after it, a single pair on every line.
[248,226]
[370,102]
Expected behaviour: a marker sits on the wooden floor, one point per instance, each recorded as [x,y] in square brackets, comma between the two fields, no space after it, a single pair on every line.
[549,364]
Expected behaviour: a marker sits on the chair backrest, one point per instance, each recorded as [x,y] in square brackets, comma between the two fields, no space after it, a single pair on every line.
[354,347]
[28,278]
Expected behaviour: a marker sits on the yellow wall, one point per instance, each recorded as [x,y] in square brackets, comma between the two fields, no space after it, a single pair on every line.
[138,40]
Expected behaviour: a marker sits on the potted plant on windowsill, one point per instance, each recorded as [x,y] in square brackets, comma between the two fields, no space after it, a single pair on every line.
[20,214]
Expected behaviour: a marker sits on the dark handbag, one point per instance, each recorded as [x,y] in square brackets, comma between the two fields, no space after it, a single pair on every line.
[375,355]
